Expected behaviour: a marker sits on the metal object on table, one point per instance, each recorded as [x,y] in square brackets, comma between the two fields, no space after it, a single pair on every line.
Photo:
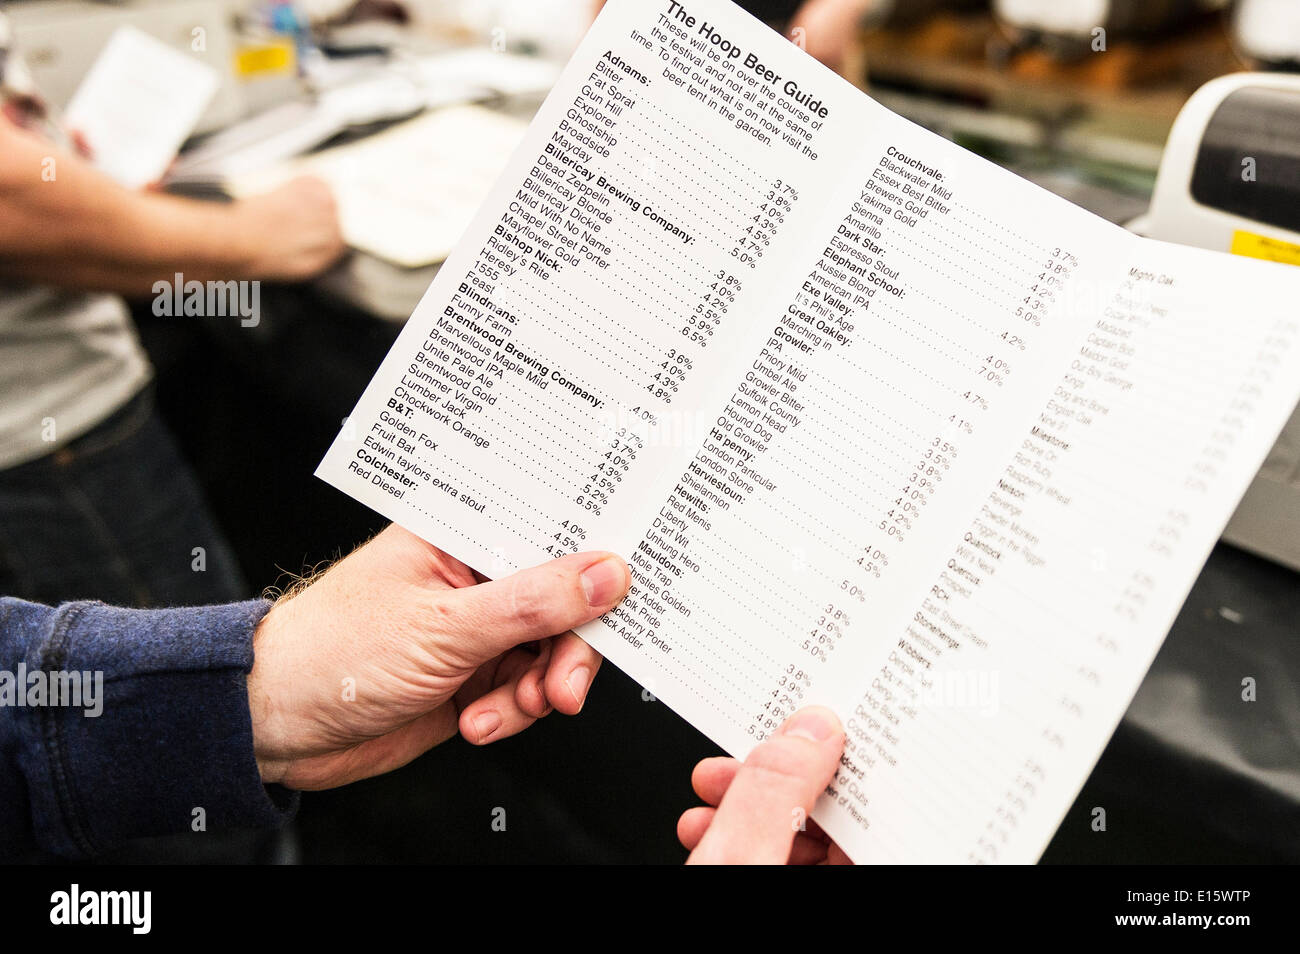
[1070,27]
[906,12]
[1268,32]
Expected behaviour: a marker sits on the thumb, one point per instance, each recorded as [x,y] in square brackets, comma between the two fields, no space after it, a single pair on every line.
[773,791]
[487,619]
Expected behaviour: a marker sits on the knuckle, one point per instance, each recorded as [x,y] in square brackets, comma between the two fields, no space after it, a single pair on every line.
[785,759]
[531,602]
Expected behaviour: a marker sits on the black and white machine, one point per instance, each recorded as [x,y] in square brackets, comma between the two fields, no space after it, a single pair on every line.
[1230,181]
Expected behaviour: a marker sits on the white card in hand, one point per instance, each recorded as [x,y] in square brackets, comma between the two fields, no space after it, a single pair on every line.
[137,104]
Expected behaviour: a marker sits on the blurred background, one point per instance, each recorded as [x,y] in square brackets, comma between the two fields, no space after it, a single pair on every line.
[378,99]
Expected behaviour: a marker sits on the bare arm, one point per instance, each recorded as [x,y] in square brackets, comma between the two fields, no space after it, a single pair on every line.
[830,28]
[65,222]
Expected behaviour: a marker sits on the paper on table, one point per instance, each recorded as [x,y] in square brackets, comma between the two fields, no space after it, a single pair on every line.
[876,423]
[136,105]
[406,194]
[503,73]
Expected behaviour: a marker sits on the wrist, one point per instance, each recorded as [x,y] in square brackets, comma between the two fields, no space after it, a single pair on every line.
[268,748]
[249,246]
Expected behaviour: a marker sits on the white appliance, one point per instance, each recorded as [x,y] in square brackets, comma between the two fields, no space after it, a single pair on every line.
[1230,181]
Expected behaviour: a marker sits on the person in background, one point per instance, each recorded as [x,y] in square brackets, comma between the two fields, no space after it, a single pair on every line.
[212,718]
[824,28]
[95,500]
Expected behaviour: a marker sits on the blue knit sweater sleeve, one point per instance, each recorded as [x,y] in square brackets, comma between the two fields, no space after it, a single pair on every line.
[119,723]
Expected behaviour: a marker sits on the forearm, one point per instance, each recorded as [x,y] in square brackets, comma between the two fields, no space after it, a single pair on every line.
[63,220]
[160,741]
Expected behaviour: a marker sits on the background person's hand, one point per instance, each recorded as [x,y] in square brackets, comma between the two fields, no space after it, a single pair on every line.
[293,230]
[387,653]
[830,28]
[760,804]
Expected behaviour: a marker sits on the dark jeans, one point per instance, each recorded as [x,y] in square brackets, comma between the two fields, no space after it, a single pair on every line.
[117,516]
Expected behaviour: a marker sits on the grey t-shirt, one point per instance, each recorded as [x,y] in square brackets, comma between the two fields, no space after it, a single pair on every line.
[68,359]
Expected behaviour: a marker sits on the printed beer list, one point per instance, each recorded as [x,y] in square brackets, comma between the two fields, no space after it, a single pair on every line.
[876,424]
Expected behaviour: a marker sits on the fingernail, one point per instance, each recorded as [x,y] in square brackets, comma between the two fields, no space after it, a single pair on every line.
[578,682]
[485,724]
[816,725]
[604,582]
